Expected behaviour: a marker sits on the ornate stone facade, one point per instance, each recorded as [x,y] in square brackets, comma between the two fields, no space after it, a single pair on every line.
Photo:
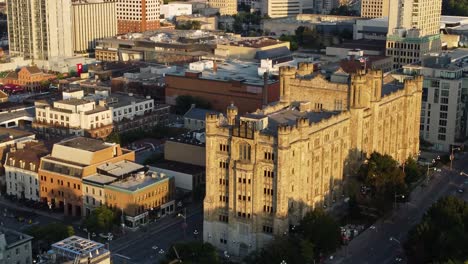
[266,169]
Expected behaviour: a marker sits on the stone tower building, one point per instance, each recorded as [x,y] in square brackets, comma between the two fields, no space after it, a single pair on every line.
[266,169]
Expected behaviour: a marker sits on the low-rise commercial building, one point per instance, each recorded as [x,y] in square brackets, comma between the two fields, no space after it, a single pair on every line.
[249,48]
[194,118]
[188,148]
[15,247]
[224,84]
[141,196]
[31,78]
[71,160]
[21,167]
[206,22]
[174,9]
[78,250]
[73,116]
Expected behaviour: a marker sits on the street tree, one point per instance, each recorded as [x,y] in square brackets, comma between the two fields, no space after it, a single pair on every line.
[101,219]
[193,252]
[321,230]
[442,234]
[385,179]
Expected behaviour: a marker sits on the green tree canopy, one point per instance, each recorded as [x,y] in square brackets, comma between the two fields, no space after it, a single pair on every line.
[101,219]
[455,7]
[343,10]
[442,234]
[322,230]
[48,234]
[193,253]
[293,44]
[413,172]
[289,249]
[384,178]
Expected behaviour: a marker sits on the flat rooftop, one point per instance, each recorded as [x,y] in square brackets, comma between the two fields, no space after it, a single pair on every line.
[232,70]
[120,168]
[139,181]
[117,100]
[73,101]
[256,42]
[179,167]
[7,134]
[83,143]
[78,246]
[24,113]
[14,238]
[99,179]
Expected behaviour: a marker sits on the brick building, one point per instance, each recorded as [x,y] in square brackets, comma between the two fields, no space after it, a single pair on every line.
[71,160]
[225,84]
[137,16]
[29,77]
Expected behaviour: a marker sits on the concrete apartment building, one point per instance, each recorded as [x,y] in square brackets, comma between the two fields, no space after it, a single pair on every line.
[93,20]
[226,7]
[73,117]
[15,247]
[265,170]
[71,160]
[21,167]
[413,30]
[442,109]
[375,8]
[40,29]
[137,16]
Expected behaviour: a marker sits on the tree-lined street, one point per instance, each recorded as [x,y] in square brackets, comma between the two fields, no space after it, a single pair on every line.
[383,242]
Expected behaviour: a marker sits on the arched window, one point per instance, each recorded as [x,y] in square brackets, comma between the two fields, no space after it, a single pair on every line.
[244,151]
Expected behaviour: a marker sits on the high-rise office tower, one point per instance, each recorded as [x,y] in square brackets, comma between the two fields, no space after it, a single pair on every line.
[226,7]
[413,30]
[137,16]
[374,8]
[40,29]
[86,15]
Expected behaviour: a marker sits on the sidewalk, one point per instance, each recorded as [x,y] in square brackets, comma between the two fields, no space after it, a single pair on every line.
[20,207]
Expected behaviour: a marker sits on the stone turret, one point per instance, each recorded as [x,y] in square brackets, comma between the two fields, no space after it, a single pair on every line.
[232,112]
[211,123]
[286,74]
[376,77]
[359,90]
[304,68]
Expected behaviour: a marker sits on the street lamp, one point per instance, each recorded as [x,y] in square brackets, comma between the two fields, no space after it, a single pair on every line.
[398,195]
[428,164]
[452,157]
[185,220]
[283,262]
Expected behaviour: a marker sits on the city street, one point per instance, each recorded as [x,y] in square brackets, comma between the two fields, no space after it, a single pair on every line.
[145,246]
[383,243]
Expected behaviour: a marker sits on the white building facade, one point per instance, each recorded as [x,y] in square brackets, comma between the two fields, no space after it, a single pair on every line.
[21,178]
[176,9]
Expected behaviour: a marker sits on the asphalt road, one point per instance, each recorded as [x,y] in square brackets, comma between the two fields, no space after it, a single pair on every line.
[374,245]
[137,247]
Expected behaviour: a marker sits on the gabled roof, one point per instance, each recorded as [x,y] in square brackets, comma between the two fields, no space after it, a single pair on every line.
[12,75]
[3,94]
[198,113]
[33,69]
